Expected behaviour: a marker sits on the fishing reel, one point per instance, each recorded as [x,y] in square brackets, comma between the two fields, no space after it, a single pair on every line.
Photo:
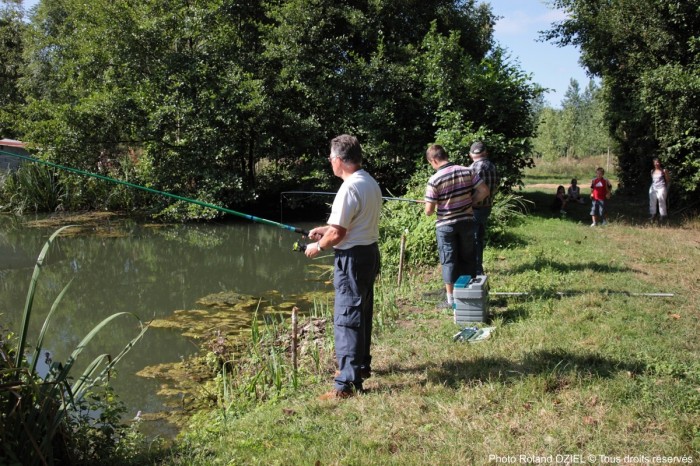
[300,245]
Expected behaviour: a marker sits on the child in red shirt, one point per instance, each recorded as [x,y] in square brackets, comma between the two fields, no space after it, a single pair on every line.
[601,189]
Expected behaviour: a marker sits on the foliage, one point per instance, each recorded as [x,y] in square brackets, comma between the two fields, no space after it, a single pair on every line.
[12,27]
[210,100]
[360,68]
[401,219]
[509,209]
[32,188]
[511,155]
[262,369]
[578,129]
[650,74]
[52,419]
[676,123]
[408,219]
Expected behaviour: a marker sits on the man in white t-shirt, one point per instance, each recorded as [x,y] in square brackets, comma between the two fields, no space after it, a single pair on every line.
[352,231]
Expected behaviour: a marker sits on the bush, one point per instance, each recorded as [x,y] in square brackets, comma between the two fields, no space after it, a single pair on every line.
[31,188]
[408,218]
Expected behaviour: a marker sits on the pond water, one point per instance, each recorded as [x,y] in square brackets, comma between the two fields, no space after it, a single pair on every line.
[154,271]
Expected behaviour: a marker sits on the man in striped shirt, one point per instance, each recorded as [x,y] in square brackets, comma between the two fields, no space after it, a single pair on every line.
[450,193]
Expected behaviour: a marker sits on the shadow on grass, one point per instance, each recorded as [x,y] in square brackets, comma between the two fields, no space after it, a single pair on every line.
[621,209]
[541,263]
[505,239]
[513,313]
[542,207]
[560,363]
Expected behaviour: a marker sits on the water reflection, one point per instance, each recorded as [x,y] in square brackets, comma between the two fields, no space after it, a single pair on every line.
[150,270]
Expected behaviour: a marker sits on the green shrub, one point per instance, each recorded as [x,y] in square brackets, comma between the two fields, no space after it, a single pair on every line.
[31,188]
[508,209]
[408,218]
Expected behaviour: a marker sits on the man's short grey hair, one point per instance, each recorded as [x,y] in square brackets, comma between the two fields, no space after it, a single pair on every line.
[347,148]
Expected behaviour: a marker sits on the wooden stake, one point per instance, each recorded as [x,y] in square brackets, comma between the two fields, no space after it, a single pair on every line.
[401,253]
[295,311]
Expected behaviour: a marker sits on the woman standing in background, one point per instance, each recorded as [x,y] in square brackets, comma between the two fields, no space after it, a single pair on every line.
[658,192]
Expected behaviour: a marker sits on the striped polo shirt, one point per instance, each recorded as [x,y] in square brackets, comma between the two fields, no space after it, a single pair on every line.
[451,188]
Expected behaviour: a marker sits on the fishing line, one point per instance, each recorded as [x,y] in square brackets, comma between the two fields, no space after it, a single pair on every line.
[325,193]
[163,193]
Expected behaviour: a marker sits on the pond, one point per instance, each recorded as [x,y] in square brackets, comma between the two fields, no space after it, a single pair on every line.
[155,271]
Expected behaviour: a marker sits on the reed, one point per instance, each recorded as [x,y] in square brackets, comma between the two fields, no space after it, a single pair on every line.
[32,188]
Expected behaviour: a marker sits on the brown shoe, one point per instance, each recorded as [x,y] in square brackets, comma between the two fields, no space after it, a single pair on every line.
[336,395]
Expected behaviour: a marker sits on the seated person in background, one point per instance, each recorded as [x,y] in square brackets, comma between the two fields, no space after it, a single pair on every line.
[574,192]
[560,200]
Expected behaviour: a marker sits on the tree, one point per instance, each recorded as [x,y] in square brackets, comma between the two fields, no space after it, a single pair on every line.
[359,67]
[11,46]
[594,137]
[646,52]
[489,100]
[572,116]
[234,102]
[577,129]
[549,143]
[165,87]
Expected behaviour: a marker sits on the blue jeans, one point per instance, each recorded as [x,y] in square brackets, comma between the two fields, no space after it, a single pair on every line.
[481,219]
[353,279]
[598,208]
[456,250]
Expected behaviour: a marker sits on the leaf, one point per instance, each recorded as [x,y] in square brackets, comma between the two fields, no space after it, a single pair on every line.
[30,295]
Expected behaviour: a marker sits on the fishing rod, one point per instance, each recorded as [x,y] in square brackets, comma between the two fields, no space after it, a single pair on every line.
[252,218]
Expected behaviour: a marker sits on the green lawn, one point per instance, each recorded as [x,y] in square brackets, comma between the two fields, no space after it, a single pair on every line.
[585,364]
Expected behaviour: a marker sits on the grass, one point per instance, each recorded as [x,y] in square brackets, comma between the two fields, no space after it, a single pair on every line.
[579,366]
[563,170]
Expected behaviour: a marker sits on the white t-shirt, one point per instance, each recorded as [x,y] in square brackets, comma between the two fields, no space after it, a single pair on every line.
[356,208]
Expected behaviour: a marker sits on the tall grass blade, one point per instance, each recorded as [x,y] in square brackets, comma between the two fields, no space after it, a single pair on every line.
[39,409]
[77,392]
[30,295]
[45,327]
[84,342]
[79,389]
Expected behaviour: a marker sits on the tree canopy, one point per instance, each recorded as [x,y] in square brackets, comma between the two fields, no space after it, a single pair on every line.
[646,52]
[232,102]
[11,31]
